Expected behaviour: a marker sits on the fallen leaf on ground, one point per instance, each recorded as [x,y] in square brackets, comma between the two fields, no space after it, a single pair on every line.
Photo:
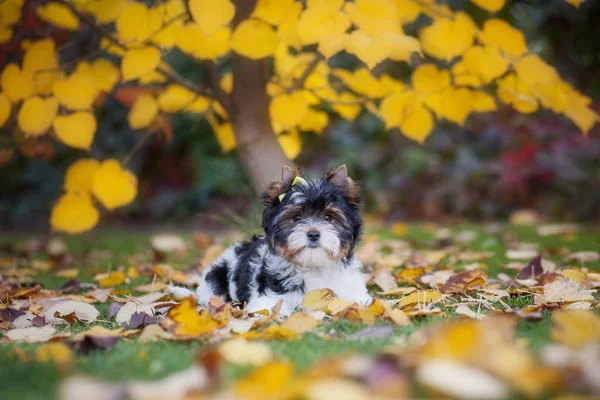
[564,291]
[394,315]
[584,256]
[112,279]
[575,328]
[243,352]
[337,388]
[532,270]
[384,279]
[557,229]
[152,333]
[69,311]
[318,299]
[211,253]
[57,353]
[97,331]
[464,281]
[272,332]
[521,254]
[32,334]
[189,322]
[264,382]
[420,297]
[300,323]
[467,312]
[139,320]
[10,314]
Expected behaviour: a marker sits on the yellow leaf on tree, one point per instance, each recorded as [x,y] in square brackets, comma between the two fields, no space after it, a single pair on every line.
[6,33]
[512,90]
[36,115]
[456,105]
[533,70]
[290,143]
[254,39]
[114,186]
[41,60]
[462,77]
[58,14]
[212,14]
[447,38]
[393,107]
[314,121]
[5,108]
[10,12]
[189,323]
[114,278]
[16,84]
[579,112]
[500,34]
[199,105]
[362,81]
[273,11]
[76,130]
[369,49]
[322,20]
[193,40]
[490,5]
[483,102]
[104,73]
[485,62]
[224,133]
[77,92]
[428,79]
[287,110]
[137,62]
[57,353]
[80,175]
[136,23]
[175,98]
[575,328]
[170,12]
[143,112]
[74,213]
[107,10]
[575,3]
[346,105]
[417,124]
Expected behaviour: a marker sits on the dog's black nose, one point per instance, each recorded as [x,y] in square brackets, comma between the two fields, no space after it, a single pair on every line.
[313,236]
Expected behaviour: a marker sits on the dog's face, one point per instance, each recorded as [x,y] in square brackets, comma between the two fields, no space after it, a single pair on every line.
[315,223]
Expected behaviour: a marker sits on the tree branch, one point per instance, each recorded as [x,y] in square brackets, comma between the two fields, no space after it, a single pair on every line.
[172,75]
[212,77]
[299,83]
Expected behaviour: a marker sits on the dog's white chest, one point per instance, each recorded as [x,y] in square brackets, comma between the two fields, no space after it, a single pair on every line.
[347,282]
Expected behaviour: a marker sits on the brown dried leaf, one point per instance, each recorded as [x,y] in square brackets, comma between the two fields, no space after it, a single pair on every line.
[69,311]
[318,299]
[464,281]
[300,323]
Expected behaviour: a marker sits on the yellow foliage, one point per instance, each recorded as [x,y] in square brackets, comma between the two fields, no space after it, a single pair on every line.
[193,40]
[136,23]
[487,63]
[74,213]
[104,74]
[490,5]
[36,115]
[224,133]
[143,112]
[199,105]
[448,38]
[57,353]
[273,11]
[455,105]
[175,98]
[314,121]
[287,110]
[323,22]
[254,39]
[114,278]
[420,297]
[211,15]
[6,33]
[114,186]
[170,12]
[427,79]
[41,60]
[59,15]
[16,84]
[500,34]
[417,123]
[76,130]
[5,108]
[392,108]
[77,92]
[137,62]
[369,49]
[10,12]
[290,143]
[512,90]
[80,175]
[107,10]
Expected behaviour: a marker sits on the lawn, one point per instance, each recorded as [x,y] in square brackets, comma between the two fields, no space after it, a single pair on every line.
[26,376]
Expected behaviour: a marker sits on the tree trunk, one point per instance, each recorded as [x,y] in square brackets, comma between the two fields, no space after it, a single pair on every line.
[258,147]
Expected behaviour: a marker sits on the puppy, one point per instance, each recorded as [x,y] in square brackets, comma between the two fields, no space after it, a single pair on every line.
[311,228]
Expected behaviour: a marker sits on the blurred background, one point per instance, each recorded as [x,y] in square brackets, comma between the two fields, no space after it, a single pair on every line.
[498,163]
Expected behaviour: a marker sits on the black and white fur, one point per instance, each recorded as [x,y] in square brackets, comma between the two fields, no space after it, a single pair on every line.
[286,263]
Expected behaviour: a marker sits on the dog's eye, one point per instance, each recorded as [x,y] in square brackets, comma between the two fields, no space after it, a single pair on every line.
[327,217]
[297,218]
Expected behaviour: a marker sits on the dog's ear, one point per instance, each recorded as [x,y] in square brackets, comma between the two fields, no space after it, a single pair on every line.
[271,196]
[339,178]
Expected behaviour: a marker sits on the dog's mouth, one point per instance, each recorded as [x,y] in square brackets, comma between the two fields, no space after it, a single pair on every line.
[313,245]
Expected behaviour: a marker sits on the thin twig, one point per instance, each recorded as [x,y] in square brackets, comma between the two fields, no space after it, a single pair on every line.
[299,83]
[172,75]
[212,77]
[136,148]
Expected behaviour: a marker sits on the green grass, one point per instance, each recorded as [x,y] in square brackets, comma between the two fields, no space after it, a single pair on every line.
[129,359]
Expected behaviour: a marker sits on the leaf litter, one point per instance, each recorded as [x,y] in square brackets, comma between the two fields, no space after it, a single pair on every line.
[474,353]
